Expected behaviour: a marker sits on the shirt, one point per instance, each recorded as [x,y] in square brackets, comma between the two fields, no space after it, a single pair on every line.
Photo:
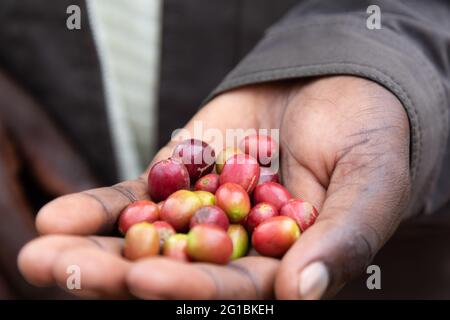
[127,35]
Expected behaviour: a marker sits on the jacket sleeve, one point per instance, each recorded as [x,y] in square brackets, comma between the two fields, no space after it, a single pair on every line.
[409,55]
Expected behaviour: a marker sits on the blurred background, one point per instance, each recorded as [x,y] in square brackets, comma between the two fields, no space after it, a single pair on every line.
[89,90]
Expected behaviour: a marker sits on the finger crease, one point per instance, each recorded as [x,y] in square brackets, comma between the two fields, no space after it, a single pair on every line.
[217,285]
[369,249]
[126,192]
[109,217]
[378,240]
[247,274]
[96,242]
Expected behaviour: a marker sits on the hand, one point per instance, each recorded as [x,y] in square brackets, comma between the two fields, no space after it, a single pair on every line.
[345,148]
[29,142]
[346,143]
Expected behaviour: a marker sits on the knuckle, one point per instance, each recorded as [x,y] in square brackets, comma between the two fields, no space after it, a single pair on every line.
[359,250]
[352,245]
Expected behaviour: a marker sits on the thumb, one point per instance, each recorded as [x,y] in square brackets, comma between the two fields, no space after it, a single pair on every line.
[363,205]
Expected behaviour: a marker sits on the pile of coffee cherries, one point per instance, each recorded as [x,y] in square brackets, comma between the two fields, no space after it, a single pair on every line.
[201,215]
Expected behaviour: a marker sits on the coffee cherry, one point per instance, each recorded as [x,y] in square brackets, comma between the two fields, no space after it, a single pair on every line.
[301,211]
[234,200]
[261,147]
[209,183]
[166,177]
[139,211]
[259,213]
[179,208]
[141,240]
[207,198]
[275,236]
[197,156]
[241,169]
[275,222]
[165,231]
[224,156]
[210,215]
[209,243]
[239,237]
[176,247]
[273,193]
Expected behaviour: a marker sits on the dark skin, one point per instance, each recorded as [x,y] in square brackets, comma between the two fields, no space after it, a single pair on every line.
[28,140]
[345,148]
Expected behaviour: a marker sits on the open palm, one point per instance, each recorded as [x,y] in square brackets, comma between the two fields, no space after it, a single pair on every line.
[344,147]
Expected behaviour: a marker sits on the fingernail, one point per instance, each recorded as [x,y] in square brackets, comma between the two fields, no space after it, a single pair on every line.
[313,281]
